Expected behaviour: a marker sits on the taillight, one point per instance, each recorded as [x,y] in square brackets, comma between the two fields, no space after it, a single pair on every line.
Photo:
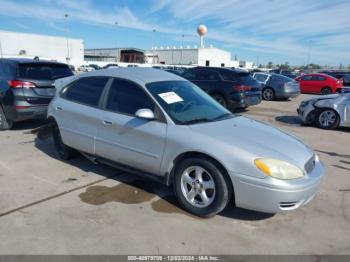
[20,84]
[241,88]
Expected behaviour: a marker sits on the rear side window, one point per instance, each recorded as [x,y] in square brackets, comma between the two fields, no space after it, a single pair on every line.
[126,97]
[318,78]
[207,75]
[41,71]
[7,69]
[86,90]
[306,78]
[246,79]
[260,77]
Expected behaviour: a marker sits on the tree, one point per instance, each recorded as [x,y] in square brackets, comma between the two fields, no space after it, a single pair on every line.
[341,66]
[269,65]
[260,66]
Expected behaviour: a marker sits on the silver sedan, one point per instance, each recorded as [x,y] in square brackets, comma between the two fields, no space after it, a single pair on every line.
[327,112]
[161,126]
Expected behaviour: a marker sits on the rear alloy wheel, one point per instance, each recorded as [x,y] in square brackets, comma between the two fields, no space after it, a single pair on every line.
[5,124]
[220,99]
[201,188]
[268,94]
[326,91]
[64,152]
[328,119]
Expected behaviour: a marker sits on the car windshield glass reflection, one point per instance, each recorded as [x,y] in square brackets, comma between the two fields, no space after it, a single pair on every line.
[186,103]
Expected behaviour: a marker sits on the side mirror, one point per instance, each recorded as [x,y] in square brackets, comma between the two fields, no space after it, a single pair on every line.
[145,113]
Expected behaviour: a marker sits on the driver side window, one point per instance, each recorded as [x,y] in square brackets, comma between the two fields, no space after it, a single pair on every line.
[126,97]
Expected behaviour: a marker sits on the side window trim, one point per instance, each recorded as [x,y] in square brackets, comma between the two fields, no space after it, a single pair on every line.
[161,118]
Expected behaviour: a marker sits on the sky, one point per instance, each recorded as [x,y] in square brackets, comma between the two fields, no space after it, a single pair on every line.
[255,30]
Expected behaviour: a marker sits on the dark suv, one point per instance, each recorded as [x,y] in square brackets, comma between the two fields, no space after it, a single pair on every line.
[231,88]
[26,88]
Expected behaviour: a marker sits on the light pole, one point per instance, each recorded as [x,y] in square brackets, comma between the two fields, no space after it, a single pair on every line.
[117,53]
[308,54]
[182,47]
[68,55]
[154,37]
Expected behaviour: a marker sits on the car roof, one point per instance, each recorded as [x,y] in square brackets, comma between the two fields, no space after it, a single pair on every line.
[220,69]
[141,75]
[29,60]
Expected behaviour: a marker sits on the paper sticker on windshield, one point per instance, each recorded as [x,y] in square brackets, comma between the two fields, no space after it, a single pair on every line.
[170,97]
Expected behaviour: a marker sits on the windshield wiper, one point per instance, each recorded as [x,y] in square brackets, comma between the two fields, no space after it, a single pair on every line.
[223,116]
[196,121]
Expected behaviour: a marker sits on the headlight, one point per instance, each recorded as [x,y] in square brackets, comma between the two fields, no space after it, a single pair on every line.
[278,169]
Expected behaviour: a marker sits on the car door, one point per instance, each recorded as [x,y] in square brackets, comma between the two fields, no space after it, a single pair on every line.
[347,110]
[306,84]
[77,112]
[318,82]
[126,139]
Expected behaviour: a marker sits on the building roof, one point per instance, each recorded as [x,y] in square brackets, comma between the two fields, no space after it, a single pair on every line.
[140,75]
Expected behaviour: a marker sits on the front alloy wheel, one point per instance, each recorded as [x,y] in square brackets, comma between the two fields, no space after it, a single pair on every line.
[201,187]
[328,119]
[197,186]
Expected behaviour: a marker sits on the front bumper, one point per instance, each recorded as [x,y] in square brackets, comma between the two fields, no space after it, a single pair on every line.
[271,195]
[304,111]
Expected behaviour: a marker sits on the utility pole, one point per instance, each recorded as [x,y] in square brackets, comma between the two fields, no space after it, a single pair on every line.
[308,54]
[154,37]
[182,47]
[117,53]
[68,53]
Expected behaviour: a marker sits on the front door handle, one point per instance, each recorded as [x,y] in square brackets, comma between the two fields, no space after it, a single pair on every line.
[107,123]
[59,108]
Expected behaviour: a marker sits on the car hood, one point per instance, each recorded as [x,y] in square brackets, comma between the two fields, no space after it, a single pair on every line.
[256,139]
[323,97]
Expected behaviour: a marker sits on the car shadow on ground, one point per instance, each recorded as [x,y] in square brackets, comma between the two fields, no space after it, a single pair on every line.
[28,125]
[290,120]
[133,189]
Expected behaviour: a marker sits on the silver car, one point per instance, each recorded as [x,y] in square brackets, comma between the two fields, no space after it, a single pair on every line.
[328,112]
[276,86]
[159,125]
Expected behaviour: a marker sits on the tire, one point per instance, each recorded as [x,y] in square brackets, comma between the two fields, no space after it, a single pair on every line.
[5,124]
[268,94]
[220,99]
[203,178]
[326,91]
[328,119]
[63,151]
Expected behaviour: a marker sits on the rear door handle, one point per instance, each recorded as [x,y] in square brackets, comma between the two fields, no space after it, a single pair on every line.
[59,108]
[107,123]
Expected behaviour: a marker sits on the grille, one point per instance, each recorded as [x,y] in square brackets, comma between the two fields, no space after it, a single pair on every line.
[310,165]
[288,205]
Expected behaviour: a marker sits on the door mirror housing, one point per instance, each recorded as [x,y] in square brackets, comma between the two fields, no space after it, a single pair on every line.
[145,113]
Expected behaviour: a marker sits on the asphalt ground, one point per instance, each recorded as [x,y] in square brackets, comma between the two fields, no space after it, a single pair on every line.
[48,206]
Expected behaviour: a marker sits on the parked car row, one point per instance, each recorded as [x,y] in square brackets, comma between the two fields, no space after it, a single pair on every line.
[166,127]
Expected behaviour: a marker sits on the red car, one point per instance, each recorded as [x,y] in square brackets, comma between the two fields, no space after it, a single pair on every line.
[319,84]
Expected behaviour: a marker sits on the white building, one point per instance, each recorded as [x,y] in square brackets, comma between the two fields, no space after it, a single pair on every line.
[55,48]
[206,56]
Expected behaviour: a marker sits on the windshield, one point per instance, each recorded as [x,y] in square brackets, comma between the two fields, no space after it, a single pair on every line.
[186,103]
[42,71]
